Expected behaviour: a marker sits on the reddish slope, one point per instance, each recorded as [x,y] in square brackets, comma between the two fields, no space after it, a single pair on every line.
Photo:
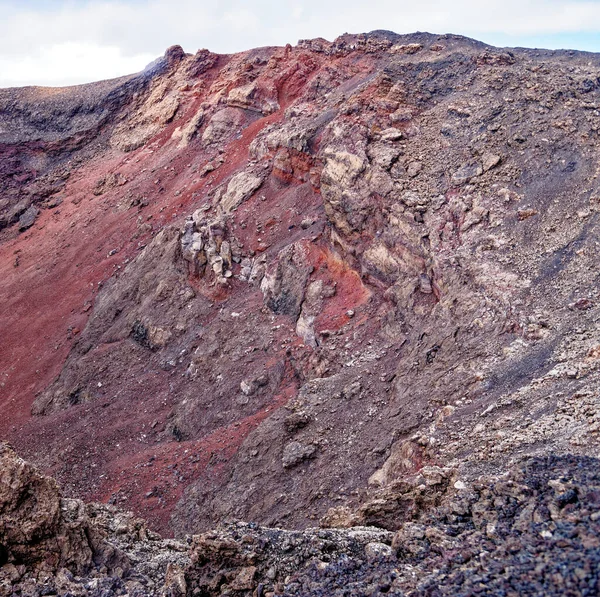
[376,276]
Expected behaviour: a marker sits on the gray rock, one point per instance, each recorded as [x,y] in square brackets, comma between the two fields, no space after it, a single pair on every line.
[465,173]
[27,219]
[240,187]
[295,453]
[375,551]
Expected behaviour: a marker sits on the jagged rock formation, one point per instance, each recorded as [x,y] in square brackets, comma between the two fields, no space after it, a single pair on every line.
[52,545]
[531,531]
[270,286]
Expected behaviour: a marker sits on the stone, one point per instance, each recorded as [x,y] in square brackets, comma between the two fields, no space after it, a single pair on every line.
[425,285]
[490,160]
[413,200]
[295,453]
[255,97]
[190,130]
[284,282]
[316,292]
[341,517]
[384,154]
[241,186]
[352,390]
[244,581]
[406,48]
[175,584]
[379,259]
[108,182]
[224,123]
[376,551]
[250,387]
[296,421]
[526,213]
[391,134]
[466,172]
[449,287]
[342,168]
[413,169]
[157,109]
[23,520]
[27,219]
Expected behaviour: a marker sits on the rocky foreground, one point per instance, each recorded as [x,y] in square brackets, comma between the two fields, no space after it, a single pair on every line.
[532,531]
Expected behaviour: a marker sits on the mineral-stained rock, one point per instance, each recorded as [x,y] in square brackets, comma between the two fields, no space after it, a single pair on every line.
[406,48]
[152,112]
[191,128]
[224,123]
[240,187]
[284,283]
[342,169]
[312,306]
[255,97]
[448,191]
[139,327]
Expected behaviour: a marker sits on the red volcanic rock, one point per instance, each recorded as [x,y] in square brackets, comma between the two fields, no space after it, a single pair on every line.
[41,530]
[314,270]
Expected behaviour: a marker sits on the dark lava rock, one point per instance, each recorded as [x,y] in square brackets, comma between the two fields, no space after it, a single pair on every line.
[494,539]
[534,530]
[27,220]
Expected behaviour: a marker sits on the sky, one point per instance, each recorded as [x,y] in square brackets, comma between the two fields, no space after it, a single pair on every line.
[66,42]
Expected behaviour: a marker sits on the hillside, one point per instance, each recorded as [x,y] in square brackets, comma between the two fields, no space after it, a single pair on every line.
[275,286]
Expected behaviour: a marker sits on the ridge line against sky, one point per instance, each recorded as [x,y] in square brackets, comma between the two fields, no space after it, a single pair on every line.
[66,42]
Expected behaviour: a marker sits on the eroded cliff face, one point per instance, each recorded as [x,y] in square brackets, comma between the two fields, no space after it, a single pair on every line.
[269,286]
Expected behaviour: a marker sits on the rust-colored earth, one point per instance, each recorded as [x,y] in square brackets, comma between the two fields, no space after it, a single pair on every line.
[261,286]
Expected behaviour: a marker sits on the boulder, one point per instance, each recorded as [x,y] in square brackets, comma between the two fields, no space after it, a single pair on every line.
[27,219]
[295,453]
[240,187]
[38,527]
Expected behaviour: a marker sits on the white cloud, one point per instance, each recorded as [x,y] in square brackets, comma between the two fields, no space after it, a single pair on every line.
[62,41]
[70,63]
[241,20]
[297,11]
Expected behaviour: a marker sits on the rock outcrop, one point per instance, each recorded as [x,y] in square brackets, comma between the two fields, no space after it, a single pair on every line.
[53,545]
[531,530]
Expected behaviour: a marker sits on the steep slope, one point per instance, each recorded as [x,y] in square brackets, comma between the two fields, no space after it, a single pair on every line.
[276,283]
